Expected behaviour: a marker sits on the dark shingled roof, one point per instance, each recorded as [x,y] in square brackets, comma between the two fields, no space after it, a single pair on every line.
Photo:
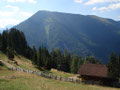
[97,70]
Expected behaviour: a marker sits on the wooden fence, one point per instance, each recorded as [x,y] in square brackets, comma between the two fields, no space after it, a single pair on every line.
[50,76]
[40,73]
[46,75]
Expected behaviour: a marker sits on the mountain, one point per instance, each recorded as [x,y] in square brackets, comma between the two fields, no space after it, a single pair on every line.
[80,34]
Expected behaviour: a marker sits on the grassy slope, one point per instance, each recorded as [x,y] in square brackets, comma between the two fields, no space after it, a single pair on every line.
[10,80]
[22,61]
[13,80]
[27,64]
[60,73]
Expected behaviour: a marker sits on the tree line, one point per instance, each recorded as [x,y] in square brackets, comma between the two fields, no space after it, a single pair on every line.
[13,42]
[114,66]
[63,61]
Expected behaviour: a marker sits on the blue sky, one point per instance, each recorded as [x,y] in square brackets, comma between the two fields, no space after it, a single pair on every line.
[16,11]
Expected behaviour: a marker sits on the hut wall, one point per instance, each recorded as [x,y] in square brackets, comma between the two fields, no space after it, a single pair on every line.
[92,79]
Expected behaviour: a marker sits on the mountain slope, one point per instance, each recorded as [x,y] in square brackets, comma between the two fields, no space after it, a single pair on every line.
[79,34]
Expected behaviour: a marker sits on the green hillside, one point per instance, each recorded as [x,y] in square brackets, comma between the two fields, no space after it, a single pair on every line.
[14,80]
[83,35]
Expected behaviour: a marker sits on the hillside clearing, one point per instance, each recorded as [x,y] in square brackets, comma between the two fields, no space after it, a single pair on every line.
[22,61]
[60,73]
[11,80]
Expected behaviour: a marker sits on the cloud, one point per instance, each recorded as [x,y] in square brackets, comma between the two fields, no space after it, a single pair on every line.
[15,8]
[7,17]
[90,2]
[6,13]
[78,1]
[94,8]
[94,13]
[32,1]
[22,1]
[109,7]
[11,0]
[7,21]
[118,17]
[26,14]
[15,13]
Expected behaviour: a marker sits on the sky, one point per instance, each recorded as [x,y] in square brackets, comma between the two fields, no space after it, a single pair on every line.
[16,11]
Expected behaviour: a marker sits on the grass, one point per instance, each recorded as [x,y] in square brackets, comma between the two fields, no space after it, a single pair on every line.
[22,61]
[3,56]
[25,63]
[11,80]
[60,73]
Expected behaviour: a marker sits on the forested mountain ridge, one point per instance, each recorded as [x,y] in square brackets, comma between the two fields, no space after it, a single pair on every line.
[84,35]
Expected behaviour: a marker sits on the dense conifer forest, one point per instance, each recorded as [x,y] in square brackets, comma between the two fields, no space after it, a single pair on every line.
[13,42]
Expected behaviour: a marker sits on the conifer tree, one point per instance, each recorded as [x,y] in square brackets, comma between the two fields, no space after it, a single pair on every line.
[4,40]
[80,62]
[119,66]
[92,60]
[67,61]
[45,56]
[53,57]
[1,45]
[112,67]
[34,55]
[39,59]
[59,58]
[10,53]
[74,66]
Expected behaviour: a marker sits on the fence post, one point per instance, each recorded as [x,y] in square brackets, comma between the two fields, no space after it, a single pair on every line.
[40,73]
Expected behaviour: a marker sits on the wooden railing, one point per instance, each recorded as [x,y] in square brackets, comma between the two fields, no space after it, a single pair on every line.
[43,74]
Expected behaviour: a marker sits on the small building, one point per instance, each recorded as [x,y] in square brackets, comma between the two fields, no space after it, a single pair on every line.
[93,73]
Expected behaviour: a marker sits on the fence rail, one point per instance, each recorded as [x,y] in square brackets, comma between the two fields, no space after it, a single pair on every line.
[51,76]
[40,73]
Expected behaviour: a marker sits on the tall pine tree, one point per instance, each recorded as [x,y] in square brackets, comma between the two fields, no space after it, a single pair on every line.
[1,45]
[34,55]
[112,67]
[5,35]
[74,66]
[119,66]
[39,58]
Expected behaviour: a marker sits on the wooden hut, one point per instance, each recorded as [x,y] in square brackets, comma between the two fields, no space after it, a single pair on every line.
[93,72]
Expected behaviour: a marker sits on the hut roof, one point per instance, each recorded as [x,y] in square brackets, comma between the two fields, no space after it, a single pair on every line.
[97,70]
